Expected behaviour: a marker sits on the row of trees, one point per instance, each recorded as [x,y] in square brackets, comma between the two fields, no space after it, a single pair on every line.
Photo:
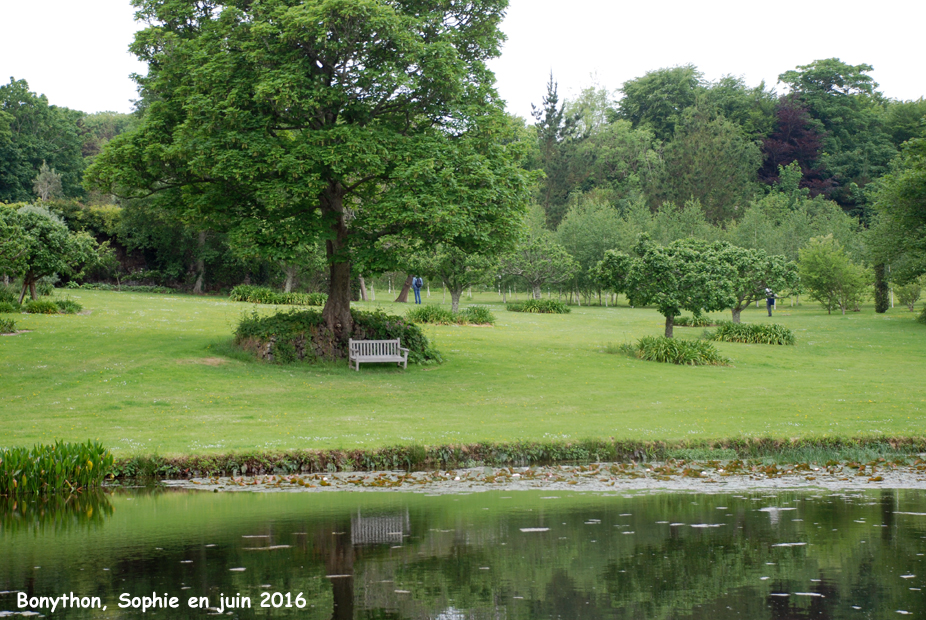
[674,136]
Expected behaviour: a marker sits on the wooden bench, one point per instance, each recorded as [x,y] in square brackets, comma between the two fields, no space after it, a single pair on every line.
[376,351]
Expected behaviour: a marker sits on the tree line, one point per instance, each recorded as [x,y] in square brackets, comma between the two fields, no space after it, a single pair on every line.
[266,149]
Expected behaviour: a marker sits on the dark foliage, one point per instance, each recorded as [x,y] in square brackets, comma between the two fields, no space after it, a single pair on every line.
[796,138]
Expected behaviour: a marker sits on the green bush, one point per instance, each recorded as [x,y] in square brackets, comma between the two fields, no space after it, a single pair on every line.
[6,306]
[753,333]
[922,317]
[539,306]
[68,306]
[431,313]
[264,295]
[8,294]
[478,315]
[437,315]
[698,321]
[41,306]
[7,326]
[61,467]
[677,351]
[301,334]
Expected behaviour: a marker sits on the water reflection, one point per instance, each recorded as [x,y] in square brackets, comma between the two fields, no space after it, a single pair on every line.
[55,512]
[487,555]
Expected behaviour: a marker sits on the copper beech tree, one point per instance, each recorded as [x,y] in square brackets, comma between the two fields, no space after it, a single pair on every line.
[341,121]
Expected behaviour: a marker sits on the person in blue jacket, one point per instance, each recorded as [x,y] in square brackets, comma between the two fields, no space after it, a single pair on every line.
[417,283]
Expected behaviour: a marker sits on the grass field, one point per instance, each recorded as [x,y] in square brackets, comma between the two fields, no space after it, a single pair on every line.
[149,374]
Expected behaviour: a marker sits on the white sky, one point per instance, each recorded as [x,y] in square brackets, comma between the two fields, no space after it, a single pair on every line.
[76,51]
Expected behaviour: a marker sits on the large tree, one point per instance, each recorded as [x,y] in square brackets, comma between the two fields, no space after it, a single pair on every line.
[32,132]
[346,120]
[898,236]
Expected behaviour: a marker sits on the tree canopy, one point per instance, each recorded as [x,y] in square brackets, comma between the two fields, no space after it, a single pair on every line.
[345,119]
[688,274]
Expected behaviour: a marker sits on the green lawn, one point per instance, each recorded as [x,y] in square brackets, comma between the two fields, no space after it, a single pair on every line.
[145,374]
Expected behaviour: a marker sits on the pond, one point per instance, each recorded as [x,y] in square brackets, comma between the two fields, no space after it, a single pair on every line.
[494,554]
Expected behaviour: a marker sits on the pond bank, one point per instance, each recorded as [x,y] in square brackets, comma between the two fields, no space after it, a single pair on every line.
[521,454]
[701,477]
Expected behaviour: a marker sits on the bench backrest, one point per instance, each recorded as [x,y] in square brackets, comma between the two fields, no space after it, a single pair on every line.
[372,348]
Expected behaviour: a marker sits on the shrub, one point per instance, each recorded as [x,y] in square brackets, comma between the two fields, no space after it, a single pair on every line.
[478,315]
[68,306]
[431,313]
[909,294]
[922,317]
[302,335]
[8,294]
[7,326]
[539,306]
[6,306]
[264,295]
[753,333]
[61,467]
[676,351]
[697,321]
[437,315]
[41,306]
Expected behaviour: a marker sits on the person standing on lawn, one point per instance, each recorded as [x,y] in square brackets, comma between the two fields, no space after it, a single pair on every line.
[769,300]
[417,283]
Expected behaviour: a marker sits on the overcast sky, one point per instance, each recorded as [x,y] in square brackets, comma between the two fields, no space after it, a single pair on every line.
[75,51]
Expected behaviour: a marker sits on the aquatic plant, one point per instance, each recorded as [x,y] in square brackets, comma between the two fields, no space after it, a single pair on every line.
[50,468]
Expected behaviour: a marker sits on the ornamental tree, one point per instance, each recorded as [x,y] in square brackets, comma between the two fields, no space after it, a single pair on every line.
[830,276]
[538,258]
[49,248]
[335,120]
[753,271]
[454,268]
[688,274]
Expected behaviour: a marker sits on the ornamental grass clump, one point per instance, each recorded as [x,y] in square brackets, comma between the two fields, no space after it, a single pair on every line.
[7,326]
[539,306]
[677,351]
[264,295]
[438,315]
[753,333]
[47,469]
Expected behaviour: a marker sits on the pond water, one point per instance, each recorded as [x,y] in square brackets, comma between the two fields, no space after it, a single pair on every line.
[494,554]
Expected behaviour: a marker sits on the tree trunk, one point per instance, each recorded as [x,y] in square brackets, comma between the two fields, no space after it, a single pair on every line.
[670,323]
[882,303]
[337,308]
[736,314]
[363,289]
[22,295]
[455,295]
[290,271]
[200,265]
[537,292]
[403,295]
